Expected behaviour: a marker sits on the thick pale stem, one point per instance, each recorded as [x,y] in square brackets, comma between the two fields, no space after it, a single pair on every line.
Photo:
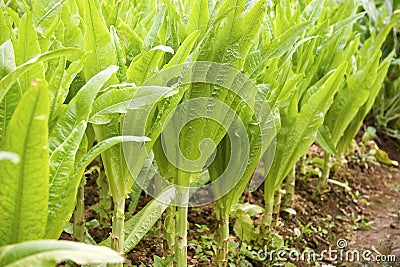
[223,241]
[169,231]
[181,228]
[323,180]
[269,208]
[79,214]
[303,165]
[277,207]
[290,184]
[117,233]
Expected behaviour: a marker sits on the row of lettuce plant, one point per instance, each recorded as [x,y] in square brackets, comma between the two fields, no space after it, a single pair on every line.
[73,73]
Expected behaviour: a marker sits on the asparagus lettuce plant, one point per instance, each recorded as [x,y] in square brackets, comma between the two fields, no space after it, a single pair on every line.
[354,99]
[122,166]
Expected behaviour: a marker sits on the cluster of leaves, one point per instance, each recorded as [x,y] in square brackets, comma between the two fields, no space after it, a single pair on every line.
[72,70]
[386,109]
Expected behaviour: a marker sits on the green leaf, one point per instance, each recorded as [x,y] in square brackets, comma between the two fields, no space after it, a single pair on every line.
[5,25]
[283,43]
[7,81]
[79,108]
[47,253]
[142,181]
[137,227]
[66,194]
[26,48]
[184,50]
[244,228]
[146,64]
[71,34]
[382,156]
[313,10]
[354,126]
[247,208]
[97,41]
[60,84]
[299,129]
[11,99]
[324,138]
[24,191]
[58,93]
[46,14]
[157,23]
[349,99]
[62,163]
[199,17]
[119,100]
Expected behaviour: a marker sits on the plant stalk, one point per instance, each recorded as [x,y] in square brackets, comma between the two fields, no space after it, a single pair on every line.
[223,240]
[117,233]
[277,206]
[323,180]
[169,231]
[79,214]
[290,183]
[181,224]
[181,228]
[303,165]
[269,208]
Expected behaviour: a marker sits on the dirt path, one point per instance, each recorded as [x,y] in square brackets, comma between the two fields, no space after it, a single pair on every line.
[384,214]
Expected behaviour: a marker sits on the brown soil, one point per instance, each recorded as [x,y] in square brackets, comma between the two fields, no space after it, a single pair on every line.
[384,213]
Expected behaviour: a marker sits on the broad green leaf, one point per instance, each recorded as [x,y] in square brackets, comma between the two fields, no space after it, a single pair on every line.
[142,181]
[324,138]
[71,34]
[345,106]
[58,93]
[120,53]
[26,48]
[150,39]
[79,108]
[24,191]
[299,128]
[283,43]
[313,10]
[184,50]
[97,41]
[244,227]
[66,195]
[11,99]
[199,17]
[7,81]
[46,14]
[47,253]
[62,163]
[146,64]
[5,25]
[119,100]
[353,128]
[131,40]
[137,227]
[250,209]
